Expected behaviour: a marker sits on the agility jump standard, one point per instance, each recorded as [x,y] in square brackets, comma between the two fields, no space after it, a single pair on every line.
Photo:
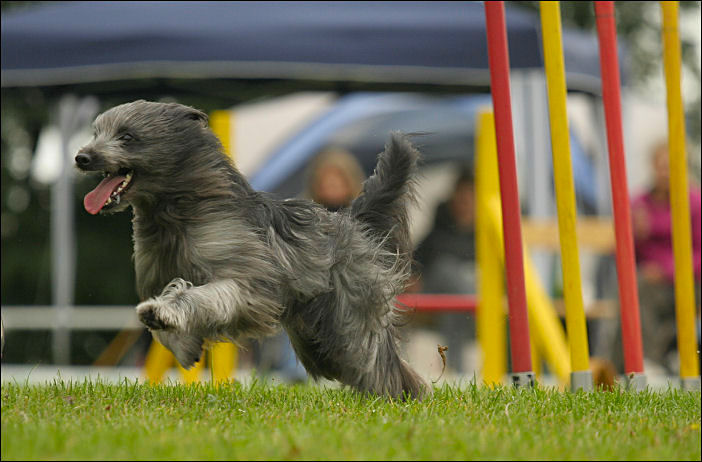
[581,376]
[498,57]
[679,202]
[626,271]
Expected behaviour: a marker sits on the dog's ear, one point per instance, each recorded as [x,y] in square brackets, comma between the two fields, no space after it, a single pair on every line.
[194,114]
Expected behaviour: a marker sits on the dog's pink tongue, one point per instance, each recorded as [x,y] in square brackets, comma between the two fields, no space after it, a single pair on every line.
[95,199]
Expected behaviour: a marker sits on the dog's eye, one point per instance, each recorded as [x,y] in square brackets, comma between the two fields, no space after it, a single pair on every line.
[126,137]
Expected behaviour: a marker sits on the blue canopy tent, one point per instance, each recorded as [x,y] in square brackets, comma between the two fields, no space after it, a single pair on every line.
[410,42]
[427,42]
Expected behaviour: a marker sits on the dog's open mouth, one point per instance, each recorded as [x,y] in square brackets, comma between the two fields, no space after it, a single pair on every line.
[109,192]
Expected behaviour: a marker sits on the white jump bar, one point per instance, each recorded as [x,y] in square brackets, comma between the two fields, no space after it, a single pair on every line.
[73,317]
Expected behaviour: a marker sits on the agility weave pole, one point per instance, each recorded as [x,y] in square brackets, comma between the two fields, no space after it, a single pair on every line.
[223,356]
[626,269]
[679,202]
[490,316]
[498,58]
[547,337]
[581,376]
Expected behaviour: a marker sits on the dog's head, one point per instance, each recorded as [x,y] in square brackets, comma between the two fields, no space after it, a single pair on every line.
[137,146]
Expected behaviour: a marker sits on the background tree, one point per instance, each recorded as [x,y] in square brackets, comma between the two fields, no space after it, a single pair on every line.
[639,27]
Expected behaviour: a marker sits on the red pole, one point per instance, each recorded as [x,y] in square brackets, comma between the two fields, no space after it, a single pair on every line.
[438,302]
[626,271]
[511,223]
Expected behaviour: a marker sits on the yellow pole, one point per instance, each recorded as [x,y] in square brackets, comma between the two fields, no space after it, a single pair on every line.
[490,314]
[158,361]
[224,356]
[679,202]
[544,323]
[192,375]
[221,123]
[224,359]
[565,194]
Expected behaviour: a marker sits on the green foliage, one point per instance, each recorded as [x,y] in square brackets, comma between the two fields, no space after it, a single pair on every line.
[639,28]
[131,421]
[634,21]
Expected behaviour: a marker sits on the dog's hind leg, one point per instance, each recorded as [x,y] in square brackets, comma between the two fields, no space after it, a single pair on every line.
[340,342]
[219,309]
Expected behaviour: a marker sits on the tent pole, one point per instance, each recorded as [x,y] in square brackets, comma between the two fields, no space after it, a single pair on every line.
[73,113]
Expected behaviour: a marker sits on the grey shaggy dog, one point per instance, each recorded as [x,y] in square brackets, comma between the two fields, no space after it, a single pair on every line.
[216,260]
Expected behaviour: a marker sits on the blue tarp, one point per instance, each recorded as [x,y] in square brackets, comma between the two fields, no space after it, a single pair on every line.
[428,42]
[361,122]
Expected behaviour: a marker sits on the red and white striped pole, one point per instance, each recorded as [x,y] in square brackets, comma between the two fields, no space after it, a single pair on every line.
[626,270]
[498,56]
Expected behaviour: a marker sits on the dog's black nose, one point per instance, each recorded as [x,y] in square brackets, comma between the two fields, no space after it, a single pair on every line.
[83,159]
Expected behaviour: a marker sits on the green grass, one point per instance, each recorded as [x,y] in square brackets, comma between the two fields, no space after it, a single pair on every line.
[129,421]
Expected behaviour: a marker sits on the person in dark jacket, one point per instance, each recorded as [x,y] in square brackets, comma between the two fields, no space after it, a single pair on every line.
[446,264]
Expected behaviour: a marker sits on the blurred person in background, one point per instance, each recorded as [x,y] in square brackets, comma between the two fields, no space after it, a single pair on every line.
[652,229]
[446,265]
[333,179]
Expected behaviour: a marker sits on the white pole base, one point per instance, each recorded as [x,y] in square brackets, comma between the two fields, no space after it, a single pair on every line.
[690,383]
[636,382]
[523,379]
[581,380]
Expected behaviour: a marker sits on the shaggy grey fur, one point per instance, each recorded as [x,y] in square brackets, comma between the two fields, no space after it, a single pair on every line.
[216,260]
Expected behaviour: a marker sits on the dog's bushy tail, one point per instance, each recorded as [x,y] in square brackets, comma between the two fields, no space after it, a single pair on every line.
[399,379]
[382,204]
[382,208]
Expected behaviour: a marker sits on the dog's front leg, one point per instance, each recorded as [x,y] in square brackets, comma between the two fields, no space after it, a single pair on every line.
[216,309]
[165,320]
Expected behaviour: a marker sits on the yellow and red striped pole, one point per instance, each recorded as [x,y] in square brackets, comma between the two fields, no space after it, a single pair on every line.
[580,376]
[679,202]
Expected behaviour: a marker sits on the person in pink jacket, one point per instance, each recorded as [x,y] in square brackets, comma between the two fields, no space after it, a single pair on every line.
[652,228]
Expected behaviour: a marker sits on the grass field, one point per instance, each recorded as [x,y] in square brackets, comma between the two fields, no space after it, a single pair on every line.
[133,421]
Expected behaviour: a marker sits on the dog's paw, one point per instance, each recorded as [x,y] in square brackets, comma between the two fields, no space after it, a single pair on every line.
[148,318]
[154,314]
[187,349]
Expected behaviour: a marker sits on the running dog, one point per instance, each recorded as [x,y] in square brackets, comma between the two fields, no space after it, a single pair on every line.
[216,260]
